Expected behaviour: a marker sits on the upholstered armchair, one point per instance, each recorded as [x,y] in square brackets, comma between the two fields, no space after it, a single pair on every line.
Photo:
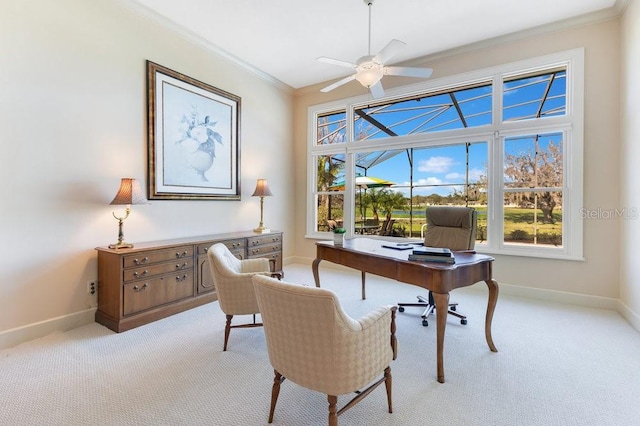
[232,279]
[312,342]
[449,227]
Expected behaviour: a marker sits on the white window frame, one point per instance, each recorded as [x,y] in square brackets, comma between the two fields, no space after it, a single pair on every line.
[570,124]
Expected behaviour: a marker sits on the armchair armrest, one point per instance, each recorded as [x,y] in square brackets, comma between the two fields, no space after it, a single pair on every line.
[372,318]
[255,265]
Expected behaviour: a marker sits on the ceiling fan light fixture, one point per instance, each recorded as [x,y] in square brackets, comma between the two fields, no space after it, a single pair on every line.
[371,68]
[368,76]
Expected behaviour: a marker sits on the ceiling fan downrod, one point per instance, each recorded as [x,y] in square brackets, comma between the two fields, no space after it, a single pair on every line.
[369,3]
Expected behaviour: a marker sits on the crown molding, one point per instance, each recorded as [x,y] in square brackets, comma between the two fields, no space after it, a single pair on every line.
[613,12]
[179,30]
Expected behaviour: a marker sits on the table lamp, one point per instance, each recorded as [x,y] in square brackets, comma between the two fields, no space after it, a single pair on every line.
[262,190]
[129,193]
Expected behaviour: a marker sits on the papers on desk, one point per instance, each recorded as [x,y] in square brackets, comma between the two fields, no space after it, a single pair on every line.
[400,246]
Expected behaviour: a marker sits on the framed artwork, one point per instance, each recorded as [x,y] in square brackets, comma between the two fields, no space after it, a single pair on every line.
[193,138]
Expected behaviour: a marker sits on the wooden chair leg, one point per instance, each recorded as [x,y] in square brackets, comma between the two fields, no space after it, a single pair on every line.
[227,330]
[387,384]
[333,416]
[275,391]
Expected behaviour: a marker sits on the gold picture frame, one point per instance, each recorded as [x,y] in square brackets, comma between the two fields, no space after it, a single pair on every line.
[193,138]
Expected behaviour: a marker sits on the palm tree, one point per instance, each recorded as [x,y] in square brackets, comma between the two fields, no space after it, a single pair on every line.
[328,171]
[392,200]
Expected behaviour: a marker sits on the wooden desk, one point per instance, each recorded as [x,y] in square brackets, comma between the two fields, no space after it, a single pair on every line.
[368,255]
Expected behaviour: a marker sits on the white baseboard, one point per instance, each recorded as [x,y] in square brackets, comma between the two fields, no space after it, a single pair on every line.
[15,336]
[629,315]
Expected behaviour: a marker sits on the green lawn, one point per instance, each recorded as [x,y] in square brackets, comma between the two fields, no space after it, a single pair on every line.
[518,224]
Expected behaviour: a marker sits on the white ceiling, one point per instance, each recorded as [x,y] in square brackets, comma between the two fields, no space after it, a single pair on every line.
[283,38]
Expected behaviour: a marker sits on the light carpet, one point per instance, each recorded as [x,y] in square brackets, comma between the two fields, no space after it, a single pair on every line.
[557,365]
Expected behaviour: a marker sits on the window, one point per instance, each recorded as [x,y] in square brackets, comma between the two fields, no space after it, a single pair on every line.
[533,186]
[506,141]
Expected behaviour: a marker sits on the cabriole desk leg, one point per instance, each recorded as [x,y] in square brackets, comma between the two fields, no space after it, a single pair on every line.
[491,306]
[442,306]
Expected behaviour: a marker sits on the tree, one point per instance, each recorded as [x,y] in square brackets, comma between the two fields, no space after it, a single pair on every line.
[537,168]
[328,170]
[372,197]
[390,201]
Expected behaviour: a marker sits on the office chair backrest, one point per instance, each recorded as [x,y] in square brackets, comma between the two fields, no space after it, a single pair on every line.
[451,227]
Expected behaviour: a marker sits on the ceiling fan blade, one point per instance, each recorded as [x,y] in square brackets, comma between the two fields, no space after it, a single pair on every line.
[336,62]
[338,83]
[409,71]
[377,90]
[387,52]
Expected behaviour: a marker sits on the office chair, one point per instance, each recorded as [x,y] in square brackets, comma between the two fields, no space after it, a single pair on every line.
[449,227]
[312,342]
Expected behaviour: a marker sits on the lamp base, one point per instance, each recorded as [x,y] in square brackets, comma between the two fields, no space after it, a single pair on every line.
[120,245]
[261,230]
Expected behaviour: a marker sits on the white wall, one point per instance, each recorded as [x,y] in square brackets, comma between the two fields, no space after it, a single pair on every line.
[73,121]
[594,281]
[630,172]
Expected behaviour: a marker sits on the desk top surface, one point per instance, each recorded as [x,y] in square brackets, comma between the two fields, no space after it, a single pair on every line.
[374,247]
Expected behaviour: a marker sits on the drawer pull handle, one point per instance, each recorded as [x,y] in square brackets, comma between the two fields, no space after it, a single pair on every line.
[141,262]
[183,254]
[181,278]
[138,288]
[136,274]
[206,249]
[179,266]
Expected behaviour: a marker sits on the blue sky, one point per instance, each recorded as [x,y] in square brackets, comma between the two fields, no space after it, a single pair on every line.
[447,164]
[434,166]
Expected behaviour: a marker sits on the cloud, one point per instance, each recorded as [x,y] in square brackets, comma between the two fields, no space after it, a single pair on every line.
[436,165]
[474,175]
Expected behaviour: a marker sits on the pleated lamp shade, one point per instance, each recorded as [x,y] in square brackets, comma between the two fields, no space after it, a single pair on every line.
[129,193]
[262,189]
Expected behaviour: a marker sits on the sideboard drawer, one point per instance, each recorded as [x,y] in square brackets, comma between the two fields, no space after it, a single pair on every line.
[146,294]
[261,251]
[158,269]
[264,239]
[235,246]
[151,257]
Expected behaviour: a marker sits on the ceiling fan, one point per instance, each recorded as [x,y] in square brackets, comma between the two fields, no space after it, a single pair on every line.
[370,69]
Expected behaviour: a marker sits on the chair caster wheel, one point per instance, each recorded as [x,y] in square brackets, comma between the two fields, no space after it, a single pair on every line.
[401,308]
[425,323]
[453,308]
[463,322]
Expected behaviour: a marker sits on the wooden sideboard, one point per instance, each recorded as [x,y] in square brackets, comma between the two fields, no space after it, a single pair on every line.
[153,280]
